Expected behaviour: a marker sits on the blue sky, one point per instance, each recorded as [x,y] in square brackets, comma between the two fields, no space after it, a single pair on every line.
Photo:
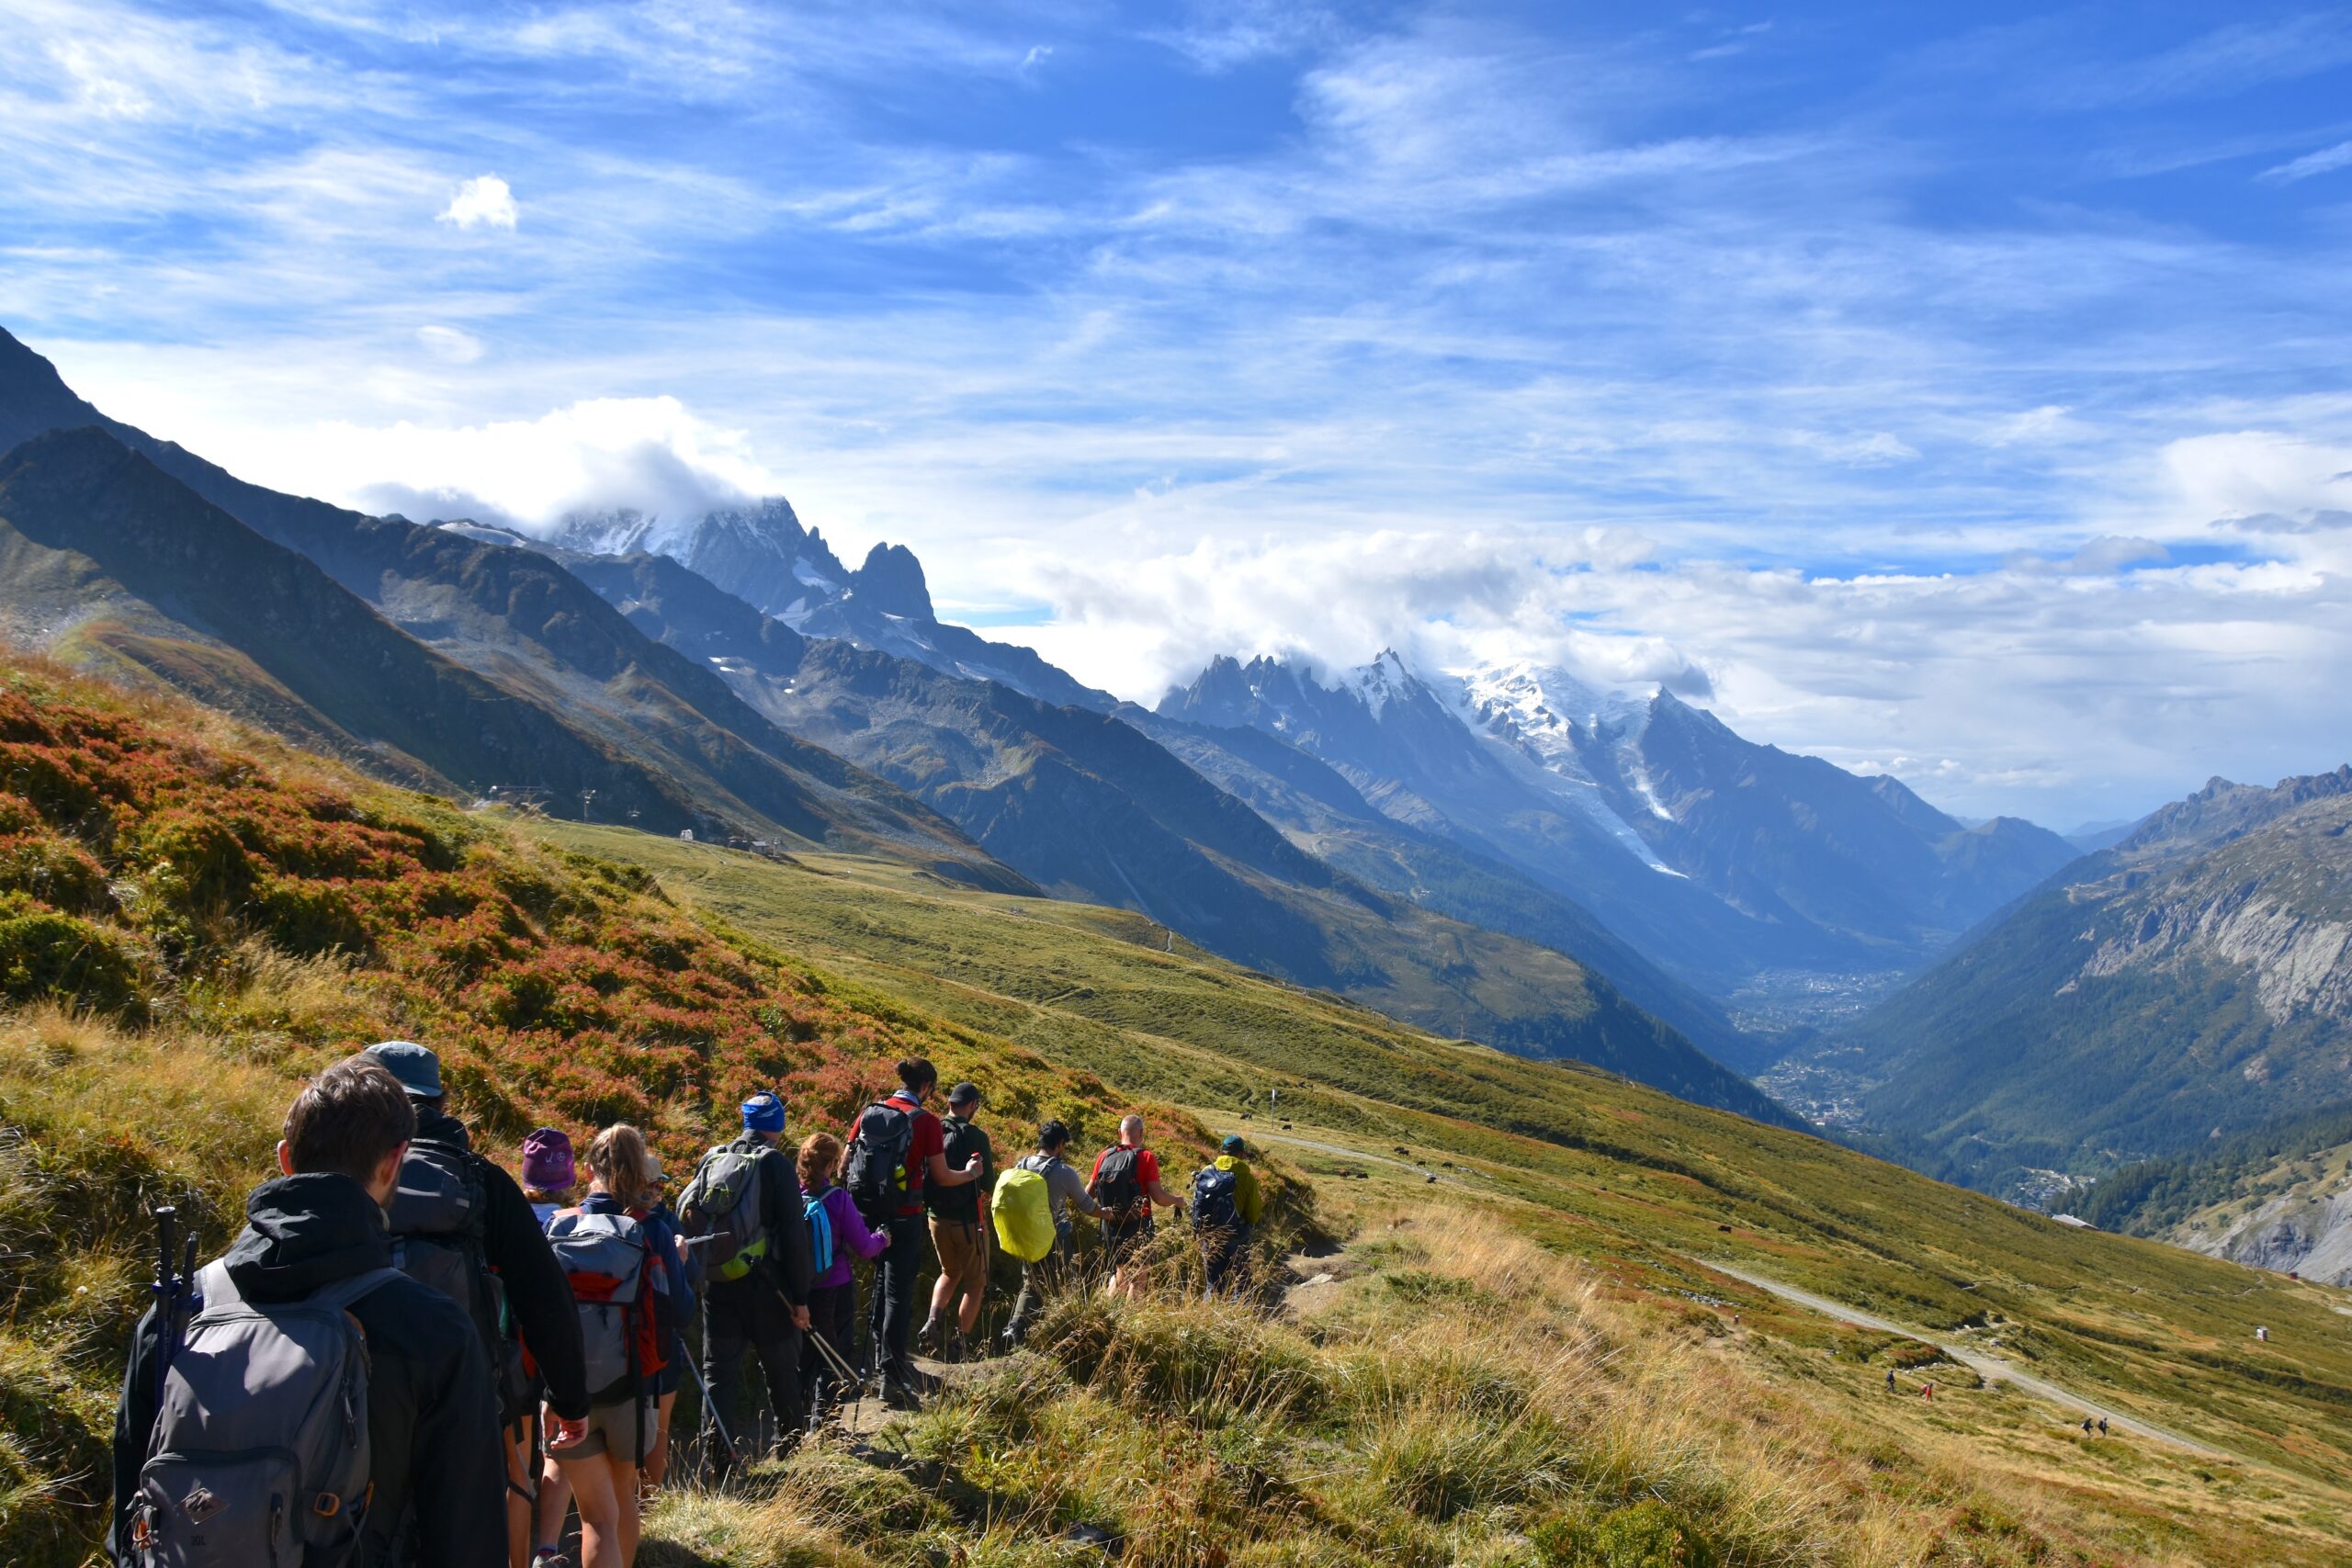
[1959,392]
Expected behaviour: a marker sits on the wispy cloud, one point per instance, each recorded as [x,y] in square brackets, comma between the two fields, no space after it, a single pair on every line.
[2327,161]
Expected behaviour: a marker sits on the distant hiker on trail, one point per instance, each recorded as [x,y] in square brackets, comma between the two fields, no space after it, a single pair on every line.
[1228,1203]
[837,1233]
[1125,1182]
[628,1327]
[305,1313]
[1044,1181]
[897,1150]
[1889,1379]
[2102,1425]
[744,1209]
[959,1227]
[662,1228]
[2087,1425]
[462,1226]
[1927,1391]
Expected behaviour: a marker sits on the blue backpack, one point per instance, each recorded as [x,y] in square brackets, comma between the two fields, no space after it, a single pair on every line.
[820,1234]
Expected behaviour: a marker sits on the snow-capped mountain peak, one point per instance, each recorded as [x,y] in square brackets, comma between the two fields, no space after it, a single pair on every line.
[1374,684]
[1550,710]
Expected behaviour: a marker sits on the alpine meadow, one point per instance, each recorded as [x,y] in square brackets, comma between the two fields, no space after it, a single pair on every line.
[1202,785]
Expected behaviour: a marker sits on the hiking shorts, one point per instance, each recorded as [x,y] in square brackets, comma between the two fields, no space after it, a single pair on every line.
[615,1430]
[963,1249]
[1125,1239]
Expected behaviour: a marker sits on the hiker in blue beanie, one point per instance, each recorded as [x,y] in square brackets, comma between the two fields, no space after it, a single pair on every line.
[744,1209]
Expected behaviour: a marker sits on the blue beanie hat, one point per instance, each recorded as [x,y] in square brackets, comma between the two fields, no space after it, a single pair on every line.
[764,1112]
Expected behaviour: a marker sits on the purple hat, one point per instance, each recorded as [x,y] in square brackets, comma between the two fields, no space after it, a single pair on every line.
[547,1160]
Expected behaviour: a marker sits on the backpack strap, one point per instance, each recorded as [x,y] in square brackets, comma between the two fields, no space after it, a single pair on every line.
[218,1289]
[344,1294]
[215,1288]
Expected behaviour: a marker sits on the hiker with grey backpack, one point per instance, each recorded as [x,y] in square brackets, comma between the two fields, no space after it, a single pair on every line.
[306,1402]
[743,1213]
[624,1301]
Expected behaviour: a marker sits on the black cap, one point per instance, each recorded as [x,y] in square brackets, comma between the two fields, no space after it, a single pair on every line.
[964,1094]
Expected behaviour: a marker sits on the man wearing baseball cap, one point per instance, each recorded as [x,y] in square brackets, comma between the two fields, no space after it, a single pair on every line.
[459,1219]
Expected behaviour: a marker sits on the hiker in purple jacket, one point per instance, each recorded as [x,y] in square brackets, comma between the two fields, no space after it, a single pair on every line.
[832,1295]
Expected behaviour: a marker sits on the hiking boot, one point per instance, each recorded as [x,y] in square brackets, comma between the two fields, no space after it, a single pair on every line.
[955,1351]
[927,1338]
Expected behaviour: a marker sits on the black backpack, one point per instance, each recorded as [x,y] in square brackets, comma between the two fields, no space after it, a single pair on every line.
[876,1172]
[1117,1186]
[438,1218]
[963,1141]
[1215,1199]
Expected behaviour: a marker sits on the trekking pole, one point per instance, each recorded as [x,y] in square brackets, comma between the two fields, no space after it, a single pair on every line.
[711,1405]
[174,1285]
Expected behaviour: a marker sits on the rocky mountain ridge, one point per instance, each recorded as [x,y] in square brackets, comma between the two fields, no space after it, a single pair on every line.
[1722,859]
[2193,981]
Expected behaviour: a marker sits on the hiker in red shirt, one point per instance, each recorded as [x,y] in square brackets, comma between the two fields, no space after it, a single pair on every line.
[895,1146]
[1125,1182]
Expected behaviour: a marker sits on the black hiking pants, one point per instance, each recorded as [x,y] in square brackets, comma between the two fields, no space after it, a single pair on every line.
[891,1317]
[1039,1280]
[1220,1251]
[751,1316]
[833,1316]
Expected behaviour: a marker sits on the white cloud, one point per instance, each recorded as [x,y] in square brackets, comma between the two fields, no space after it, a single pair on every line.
[483,201]
[2327,161]
[449,345]
[650,453]
[2246,472]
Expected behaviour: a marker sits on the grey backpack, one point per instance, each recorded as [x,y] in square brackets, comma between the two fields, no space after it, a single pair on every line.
[607,1258]
[259,1455]
[722,1209]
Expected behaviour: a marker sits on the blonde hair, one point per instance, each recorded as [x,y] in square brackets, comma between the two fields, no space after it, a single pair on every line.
[618,1160]
[821,1155]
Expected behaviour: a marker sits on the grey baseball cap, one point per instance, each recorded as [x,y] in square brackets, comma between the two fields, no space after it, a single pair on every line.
[415,1066]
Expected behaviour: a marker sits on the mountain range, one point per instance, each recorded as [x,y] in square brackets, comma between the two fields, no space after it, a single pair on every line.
[2191,982]
[1511,853]
[359,631]
[1749,872]
[387,640]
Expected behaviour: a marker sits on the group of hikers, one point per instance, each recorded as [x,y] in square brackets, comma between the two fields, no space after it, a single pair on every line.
[409,1356]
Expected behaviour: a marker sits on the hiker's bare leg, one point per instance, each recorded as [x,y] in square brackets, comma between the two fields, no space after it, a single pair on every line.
[555,1501]
[657,1464]
[601,1542]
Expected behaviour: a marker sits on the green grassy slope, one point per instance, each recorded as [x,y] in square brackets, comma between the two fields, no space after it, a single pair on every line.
[1519,1364]
[1624,1174]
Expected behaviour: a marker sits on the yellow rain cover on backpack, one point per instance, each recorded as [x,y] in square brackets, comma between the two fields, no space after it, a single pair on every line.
[1025,1214]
